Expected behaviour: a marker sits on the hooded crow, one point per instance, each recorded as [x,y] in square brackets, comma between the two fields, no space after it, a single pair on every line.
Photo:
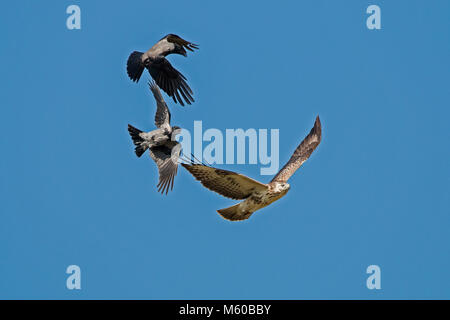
[161,143]
[167,77]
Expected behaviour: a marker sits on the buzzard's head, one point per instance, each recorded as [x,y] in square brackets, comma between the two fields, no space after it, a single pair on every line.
[281,187]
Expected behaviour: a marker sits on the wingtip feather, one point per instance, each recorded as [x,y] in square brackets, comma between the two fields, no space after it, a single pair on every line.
[317,128]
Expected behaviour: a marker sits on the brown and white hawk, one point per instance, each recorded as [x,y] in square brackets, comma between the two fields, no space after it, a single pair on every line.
[257,195]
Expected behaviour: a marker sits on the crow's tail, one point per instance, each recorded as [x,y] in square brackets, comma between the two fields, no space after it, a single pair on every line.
[137,140]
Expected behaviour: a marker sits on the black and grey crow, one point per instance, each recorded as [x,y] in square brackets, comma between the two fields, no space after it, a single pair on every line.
[161,143]
[167,77]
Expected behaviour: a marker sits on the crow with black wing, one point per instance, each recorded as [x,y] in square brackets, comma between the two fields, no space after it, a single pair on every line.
[169,79]
[161,143]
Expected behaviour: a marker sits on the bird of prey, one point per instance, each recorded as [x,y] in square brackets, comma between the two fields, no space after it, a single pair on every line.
[257,195]
[163,148]
[167,77]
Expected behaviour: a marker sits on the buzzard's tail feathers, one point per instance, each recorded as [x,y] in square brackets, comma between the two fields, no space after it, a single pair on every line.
[137,140]
[135,67]
[234,214]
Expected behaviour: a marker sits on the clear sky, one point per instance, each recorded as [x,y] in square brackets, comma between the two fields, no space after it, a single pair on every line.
[375,192]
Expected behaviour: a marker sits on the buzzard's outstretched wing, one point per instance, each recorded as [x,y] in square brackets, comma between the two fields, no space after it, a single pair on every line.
[162,115]
[227,183]
[301,154]
[171,81]
[166,158]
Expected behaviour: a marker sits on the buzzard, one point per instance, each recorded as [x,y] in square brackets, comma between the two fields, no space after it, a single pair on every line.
[167,77]
[163,148]
[257,195]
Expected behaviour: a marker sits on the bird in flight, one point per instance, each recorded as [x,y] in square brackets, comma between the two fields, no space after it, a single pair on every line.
[257,195]
[161,143]
[167,77]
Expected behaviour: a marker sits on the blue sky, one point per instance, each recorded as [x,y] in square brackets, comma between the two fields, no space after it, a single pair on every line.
[376,191]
